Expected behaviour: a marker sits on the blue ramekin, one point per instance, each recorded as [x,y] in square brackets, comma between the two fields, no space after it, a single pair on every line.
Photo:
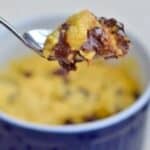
[123,131]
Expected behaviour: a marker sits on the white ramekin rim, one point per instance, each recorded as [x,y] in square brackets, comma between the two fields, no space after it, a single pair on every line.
[91,126]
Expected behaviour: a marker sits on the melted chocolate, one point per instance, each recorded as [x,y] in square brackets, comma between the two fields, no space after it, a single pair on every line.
[94,40]
[97,40]
[60,72]
[108,22]
[117,29]
[65,26]
[63,51]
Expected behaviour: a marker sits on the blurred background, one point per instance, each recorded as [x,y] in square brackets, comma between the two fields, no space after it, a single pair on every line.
[132,12]
[135,15]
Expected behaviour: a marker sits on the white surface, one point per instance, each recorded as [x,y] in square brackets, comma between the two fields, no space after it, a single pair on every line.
[134,13]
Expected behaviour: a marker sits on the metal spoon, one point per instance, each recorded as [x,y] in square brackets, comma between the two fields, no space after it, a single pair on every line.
[34,39]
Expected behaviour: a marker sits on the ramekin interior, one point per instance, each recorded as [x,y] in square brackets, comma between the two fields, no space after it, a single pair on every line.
[100,124]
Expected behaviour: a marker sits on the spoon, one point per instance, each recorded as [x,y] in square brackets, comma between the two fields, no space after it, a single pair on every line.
[33,39]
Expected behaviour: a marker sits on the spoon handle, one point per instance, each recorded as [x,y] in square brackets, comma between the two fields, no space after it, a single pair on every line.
[7,25]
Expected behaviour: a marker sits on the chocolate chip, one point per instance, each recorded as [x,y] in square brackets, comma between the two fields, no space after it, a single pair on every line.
[68,122]
[120,26]
[65,26]
[110,22]
[68,66]
[27,74]
[60,72]
[136,94]
[61,51]
[90,118]
[122,43]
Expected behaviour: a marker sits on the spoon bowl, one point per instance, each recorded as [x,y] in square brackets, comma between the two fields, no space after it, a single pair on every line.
[33,39]
[36,39]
